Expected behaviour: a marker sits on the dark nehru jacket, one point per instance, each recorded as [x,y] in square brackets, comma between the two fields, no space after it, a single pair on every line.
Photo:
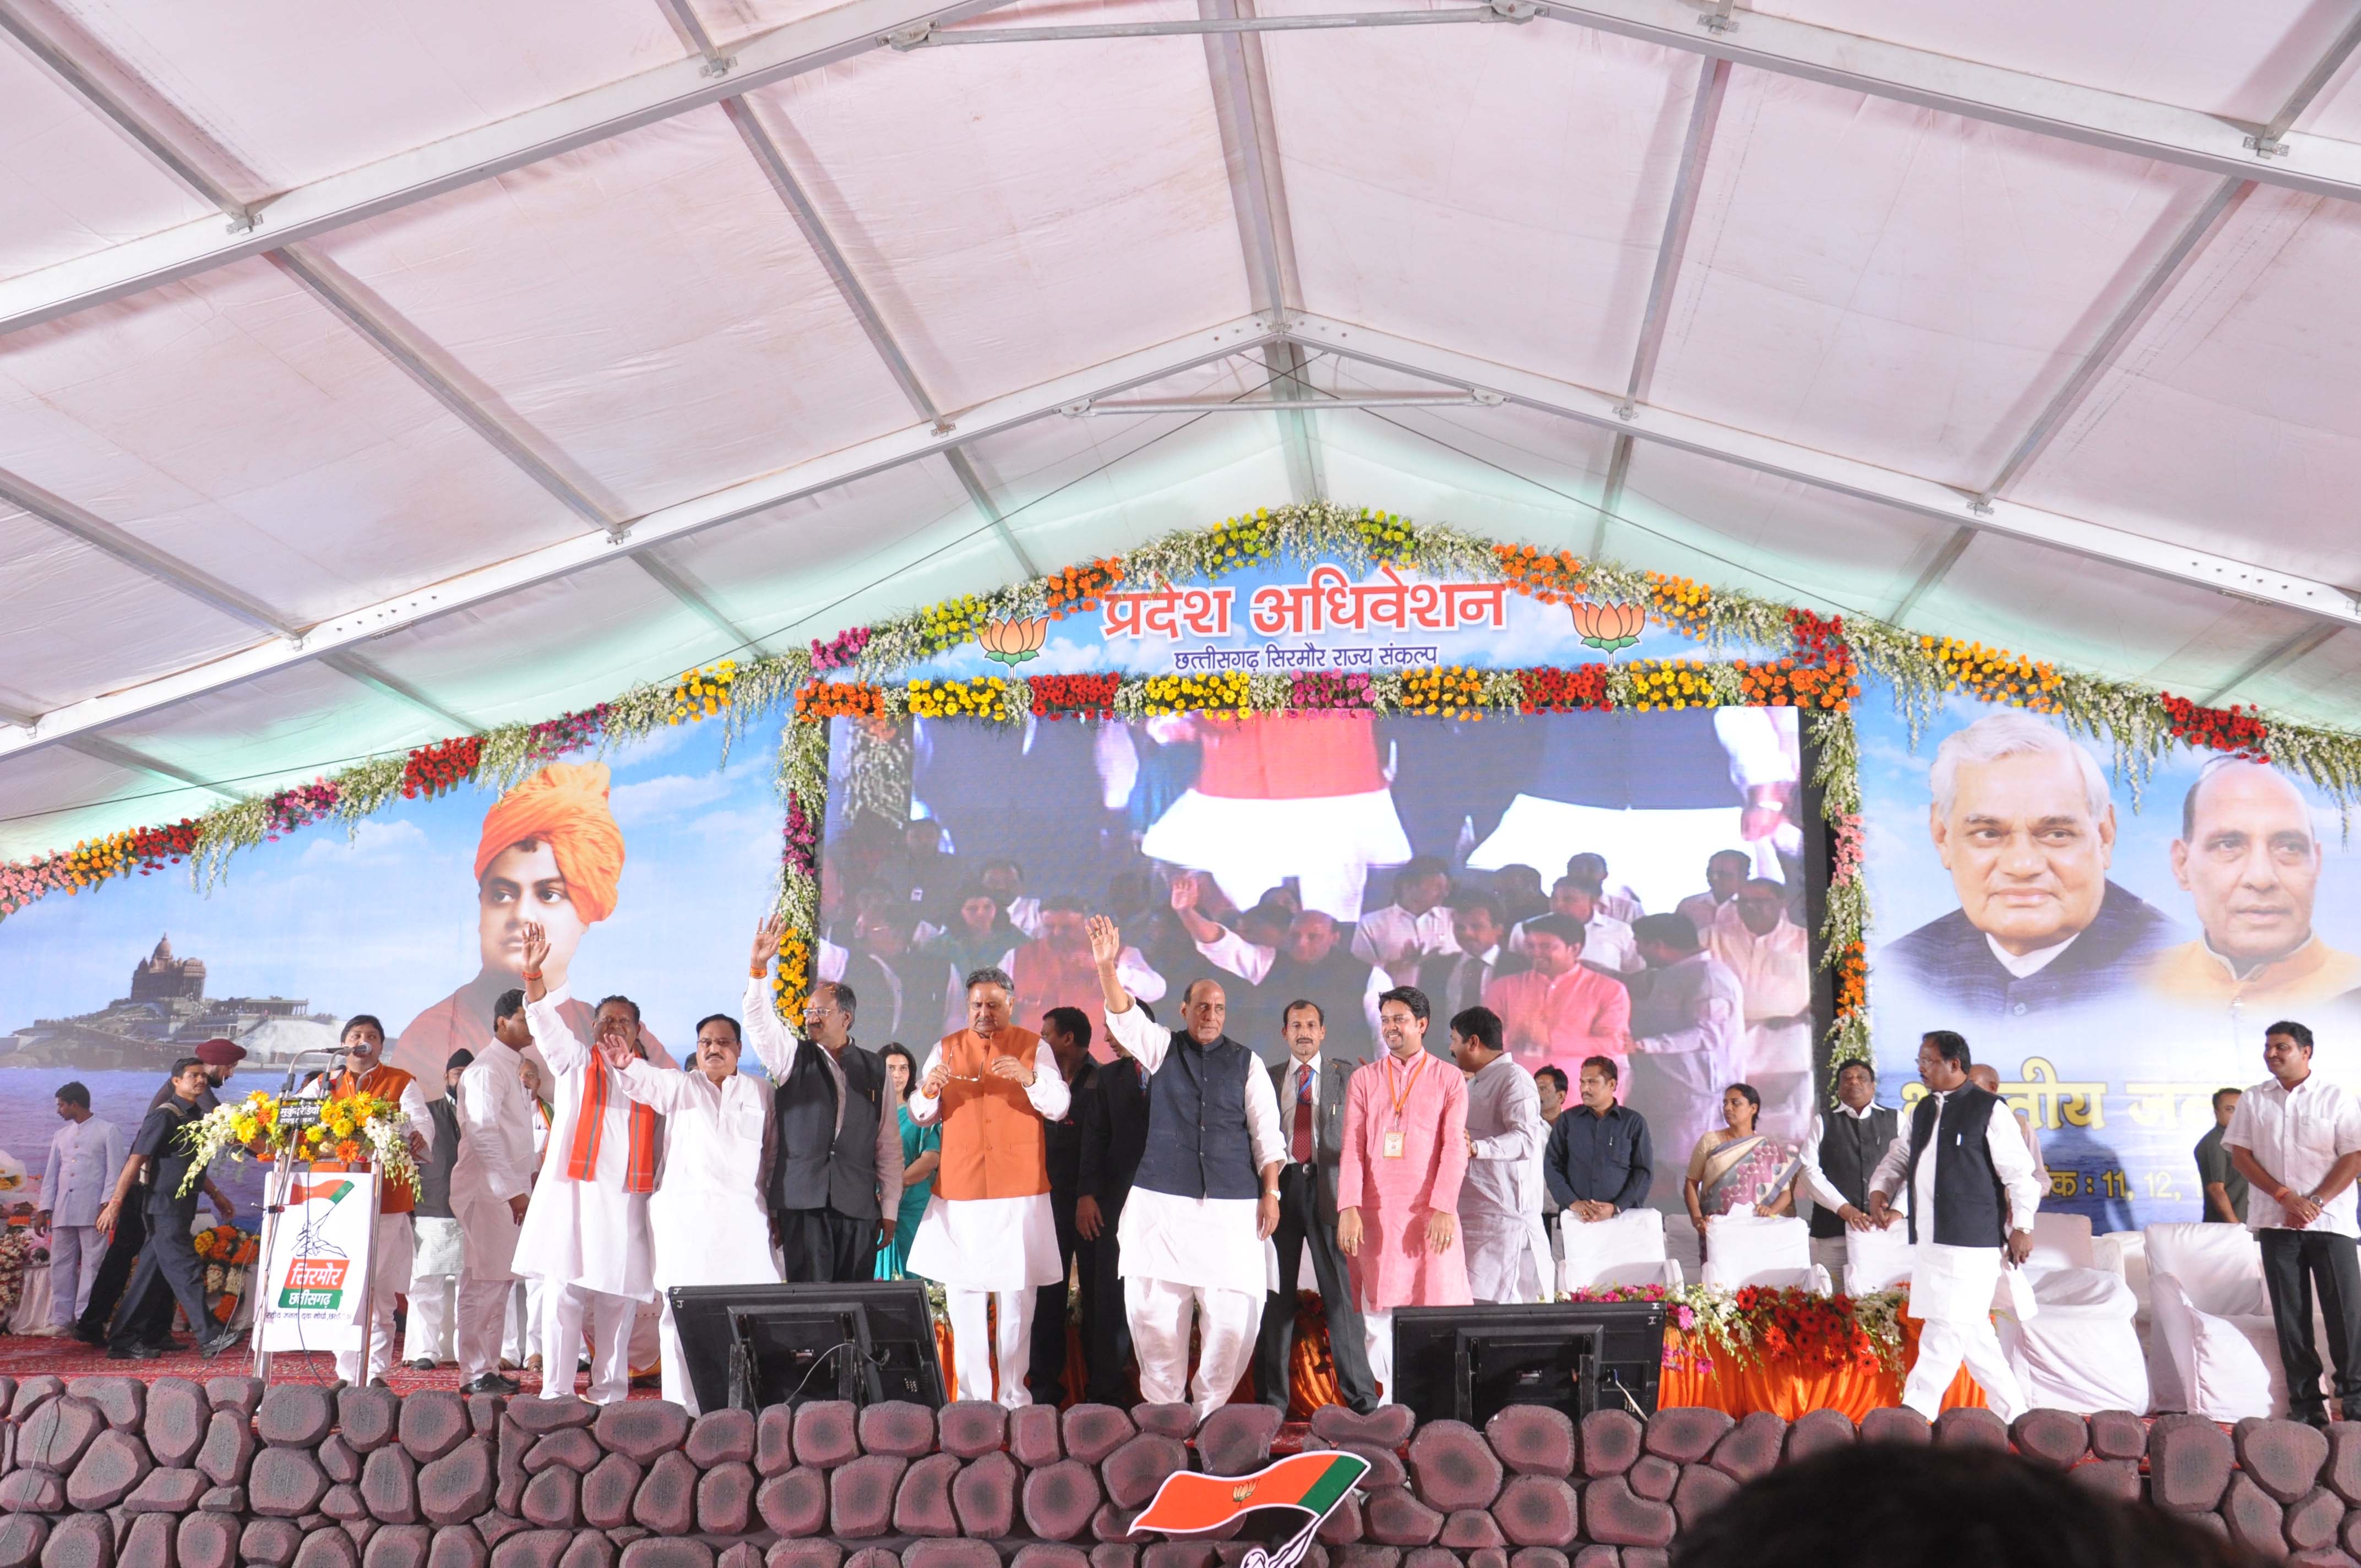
[1197,1143]
[817,1165]
[1971,1202]
[1952,961]
[1850,1147]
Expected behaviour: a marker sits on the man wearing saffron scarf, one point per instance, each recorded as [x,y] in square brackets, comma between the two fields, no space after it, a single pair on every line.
[586,1235]
[551,853]
[989,1231]
[365,1072]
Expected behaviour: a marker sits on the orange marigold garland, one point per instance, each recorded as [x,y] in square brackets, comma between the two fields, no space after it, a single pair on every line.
[1553,579]
[1681,603]
[1455,693]
[820,700]
[1076,590]
[1995,674]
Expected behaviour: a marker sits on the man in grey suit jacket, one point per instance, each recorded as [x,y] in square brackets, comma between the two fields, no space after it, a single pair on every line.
[1312,1123]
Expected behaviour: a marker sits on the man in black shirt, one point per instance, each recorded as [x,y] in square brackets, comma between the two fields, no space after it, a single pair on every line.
[1600,1160]
[220,1059]
[1067,1032]
[1113,1118]
[171,1258]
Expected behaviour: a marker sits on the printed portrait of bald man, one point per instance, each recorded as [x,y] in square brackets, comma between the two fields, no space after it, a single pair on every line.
[2249,858]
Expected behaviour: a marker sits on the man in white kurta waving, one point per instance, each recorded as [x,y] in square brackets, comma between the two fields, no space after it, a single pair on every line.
[491,1184]
[989,1231]
[1972,1197]
[1195,1229]
[585,1236]
[706,1212]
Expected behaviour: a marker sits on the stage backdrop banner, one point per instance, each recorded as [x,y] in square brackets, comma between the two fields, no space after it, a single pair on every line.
[1286,616]
[2115,953]
[649,867]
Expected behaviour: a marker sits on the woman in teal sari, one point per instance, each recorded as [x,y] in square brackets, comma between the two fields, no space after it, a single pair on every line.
[1735,1169]
[922,1150]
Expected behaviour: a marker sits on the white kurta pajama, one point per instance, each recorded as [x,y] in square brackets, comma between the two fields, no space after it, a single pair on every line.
[1951,1287]
[495,1164]
[586,1241]
[707,1214]
[995,1249]
[1202,1252]
[84,1158]
[1499,1198]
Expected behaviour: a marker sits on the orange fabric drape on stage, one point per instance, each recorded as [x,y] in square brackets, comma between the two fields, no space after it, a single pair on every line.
[1786,1386]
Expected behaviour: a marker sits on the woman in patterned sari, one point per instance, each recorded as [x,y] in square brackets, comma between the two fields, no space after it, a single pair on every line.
[1735,1168]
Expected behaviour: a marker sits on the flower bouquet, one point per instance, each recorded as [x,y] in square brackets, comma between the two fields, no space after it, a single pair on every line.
[352,1128]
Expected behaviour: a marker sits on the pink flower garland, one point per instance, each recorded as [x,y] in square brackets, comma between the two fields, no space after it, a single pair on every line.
[840,652]
[800,847]
[1329,689]
[300,808]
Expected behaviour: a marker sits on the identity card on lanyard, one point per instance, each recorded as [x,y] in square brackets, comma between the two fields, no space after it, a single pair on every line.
[1393,1144]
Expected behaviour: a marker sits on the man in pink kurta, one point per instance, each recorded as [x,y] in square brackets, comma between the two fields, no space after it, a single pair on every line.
[1560,1012]
[1398,1184]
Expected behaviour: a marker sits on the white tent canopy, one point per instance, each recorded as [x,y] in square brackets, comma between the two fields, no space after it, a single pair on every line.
[368,375]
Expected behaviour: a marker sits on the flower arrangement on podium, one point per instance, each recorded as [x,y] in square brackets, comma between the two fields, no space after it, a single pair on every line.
[351,1129]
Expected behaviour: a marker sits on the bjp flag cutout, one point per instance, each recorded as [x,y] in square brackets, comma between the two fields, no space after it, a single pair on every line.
[1314,1484]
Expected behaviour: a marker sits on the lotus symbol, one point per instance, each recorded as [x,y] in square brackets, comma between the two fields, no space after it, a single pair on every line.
[1014,642]
[1609,626]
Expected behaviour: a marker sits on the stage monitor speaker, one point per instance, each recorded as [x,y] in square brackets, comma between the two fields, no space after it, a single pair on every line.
[755,1345]
[1469,1362]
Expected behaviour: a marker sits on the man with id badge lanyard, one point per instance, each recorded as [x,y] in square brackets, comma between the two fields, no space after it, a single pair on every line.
[1398,1182]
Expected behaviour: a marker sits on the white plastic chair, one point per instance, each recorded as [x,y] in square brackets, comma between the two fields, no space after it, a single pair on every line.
[1743,1249]
[1626,1250]
[1877,1259]
[2217,1349]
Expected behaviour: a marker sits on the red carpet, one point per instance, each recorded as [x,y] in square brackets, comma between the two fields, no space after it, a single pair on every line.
[22,1357]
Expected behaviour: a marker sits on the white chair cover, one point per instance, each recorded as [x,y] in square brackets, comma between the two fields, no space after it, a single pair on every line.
[1748,1249]
[2080,1352]
[1876,1260]
[1626,1250]
[2217,1350]
[2062,1241]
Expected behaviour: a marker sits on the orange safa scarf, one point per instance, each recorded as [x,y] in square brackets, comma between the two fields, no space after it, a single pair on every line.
[582,1163]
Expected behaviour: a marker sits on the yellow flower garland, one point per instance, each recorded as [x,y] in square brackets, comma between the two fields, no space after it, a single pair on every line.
[985,697]
[701,694]
[1229,690]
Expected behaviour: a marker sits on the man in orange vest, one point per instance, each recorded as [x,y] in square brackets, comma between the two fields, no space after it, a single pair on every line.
[989,1231]
[365,1072]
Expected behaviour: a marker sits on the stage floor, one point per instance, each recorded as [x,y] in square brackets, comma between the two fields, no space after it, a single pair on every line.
[23,1356]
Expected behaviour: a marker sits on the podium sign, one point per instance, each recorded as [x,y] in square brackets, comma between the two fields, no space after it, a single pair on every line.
[316,1275]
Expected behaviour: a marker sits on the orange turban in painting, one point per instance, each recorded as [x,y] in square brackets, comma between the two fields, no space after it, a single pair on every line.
[565,803]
